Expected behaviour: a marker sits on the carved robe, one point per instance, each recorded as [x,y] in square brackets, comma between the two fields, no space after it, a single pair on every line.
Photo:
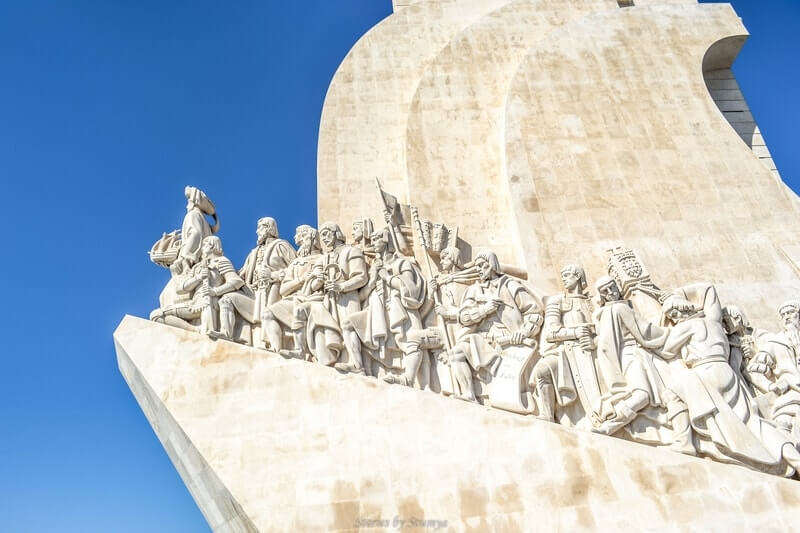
[326,312]
[571,368]
[194,229]
[276,254]
[727,425]
[482,335]
[284,309]
[624,366]
[784,408]
[389,314]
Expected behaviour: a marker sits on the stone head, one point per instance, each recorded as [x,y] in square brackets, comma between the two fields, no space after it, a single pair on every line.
[488,265]
[381,241]
[306,238]
[362,230]
[790,313]
[330,235]
[211,246]
[607,289]
[267,227]
[573,277]
[450,257]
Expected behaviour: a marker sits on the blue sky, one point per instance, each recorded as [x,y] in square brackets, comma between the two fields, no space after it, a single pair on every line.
[107,110]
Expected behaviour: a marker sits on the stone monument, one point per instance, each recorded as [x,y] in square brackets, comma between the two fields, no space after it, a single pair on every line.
[559,309]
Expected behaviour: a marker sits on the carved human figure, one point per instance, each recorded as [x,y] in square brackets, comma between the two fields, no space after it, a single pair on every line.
[498,314]
[342,271]
[291,311]
[262,273]
[630,382]
[451,283]
[774,372]
[389,320]
[753,367]
[195,227]
[566,368]
[265,262]
[362,230]
[726,424]
[212,277]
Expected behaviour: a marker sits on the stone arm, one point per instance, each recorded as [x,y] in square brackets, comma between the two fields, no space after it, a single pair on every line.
[409,283]
[531,312]
[247,267]
[554,329]
[281,259]
[677,337]
[779,360]
[291,283]
[473,312]
[358,274]
[232,283]
[706,294]
[188,284]
[756,373]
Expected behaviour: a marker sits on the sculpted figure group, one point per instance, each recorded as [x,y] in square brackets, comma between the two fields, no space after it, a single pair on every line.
[668,368]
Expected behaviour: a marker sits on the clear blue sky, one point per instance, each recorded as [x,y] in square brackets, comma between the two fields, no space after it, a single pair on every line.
[107,109]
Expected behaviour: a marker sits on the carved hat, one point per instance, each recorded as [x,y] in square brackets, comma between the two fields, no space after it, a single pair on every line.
[203,203]
[491,258]
[367,227]
[793,304]
[604,281]
[333,227]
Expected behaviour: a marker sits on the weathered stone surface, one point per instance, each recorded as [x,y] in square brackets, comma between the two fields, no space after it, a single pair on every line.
[552,131]
[270,444]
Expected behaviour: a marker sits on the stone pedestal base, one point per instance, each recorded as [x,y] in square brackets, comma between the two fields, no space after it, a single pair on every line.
[268,444]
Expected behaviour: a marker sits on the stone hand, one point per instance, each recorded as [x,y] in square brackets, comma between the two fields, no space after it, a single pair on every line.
[434,285]
[517,337]
[333,286]
[778,387]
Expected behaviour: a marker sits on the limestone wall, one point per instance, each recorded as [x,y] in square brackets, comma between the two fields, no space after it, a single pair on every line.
[293,446]
[553,130]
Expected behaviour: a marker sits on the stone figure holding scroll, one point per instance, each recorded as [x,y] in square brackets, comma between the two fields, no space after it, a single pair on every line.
[500,318]
[726,425]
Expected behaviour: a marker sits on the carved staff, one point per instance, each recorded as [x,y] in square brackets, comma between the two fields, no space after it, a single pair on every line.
[386,209]
[436,298]
[207,315]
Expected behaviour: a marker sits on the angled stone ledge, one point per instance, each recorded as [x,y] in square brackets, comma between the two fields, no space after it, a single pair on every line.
[268,444]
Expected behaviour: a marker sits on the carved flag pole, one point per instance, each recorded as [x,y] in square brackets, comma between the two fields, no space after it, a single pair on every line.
[436,298]
[388,211]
